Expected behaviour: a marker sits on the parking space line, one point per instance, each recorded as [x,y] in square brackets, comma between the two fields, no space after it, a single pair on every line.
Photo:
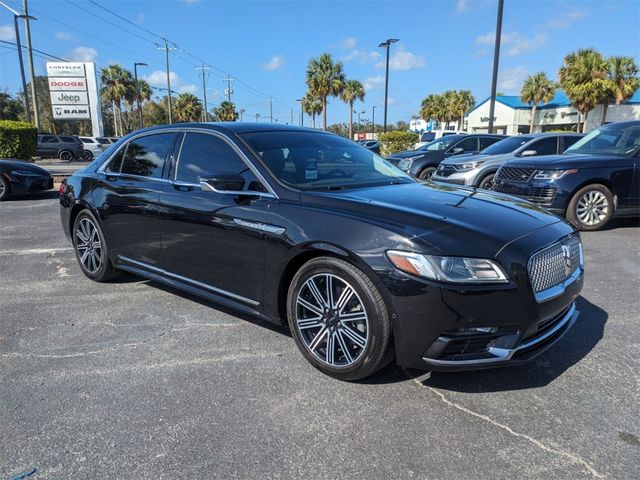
[35,251]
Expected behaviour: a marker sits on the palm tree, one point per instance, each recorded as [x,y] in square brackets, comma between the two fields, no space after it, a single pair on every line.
[623,81]
[187,108]
[226,112]
[352,91]
[324,78]
[116,84]
[537,88]
[584,78]
[312,106]
[450,98]
[464,103]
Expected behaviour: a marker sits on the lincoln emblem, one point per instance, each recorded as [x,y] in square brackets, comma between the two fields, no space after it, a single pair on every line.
[566,255]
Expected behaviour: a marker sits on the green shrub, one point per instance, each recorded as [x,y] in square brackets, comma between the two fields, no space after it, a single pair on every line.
[17,140]
[397,141]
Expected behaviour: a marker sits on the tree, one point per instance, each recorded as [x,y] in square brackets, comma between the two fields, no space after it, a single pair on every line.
[537,88]
[10,108]
[352,91]
[584,78]
[622,82]
[153,114]
[434,107]
[325,78]
[116,85]
[226,112]
[402,126]
[142,92]
[187,108]
[312,106]
[464,103]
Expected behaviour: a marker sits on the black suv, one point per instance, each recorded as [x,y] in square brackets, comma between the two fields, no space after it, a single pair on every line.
[65,147]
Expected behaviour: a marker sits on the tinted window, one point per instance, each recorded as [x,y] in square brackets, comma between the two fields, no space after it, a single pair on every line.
[570,140]
[612,139]
[103,141]
[86,140]
[49,140]
[203,155]
[507,145]
[428,137]
[545,146]
[468,144]
[116,162]
[146,155]
[486,141]
[67,139]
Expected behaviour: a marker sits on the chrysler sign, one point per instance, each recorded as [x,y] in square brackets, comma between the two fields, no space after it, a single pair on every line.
[67,69]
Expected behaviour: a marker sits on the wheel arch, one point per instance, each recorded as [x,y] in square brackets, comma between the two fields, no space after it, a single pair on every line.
[484,174]
[593,181]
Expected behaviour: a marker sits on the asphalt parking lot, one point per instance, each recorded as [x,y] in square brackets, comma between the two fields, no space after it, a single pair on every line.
[132,379]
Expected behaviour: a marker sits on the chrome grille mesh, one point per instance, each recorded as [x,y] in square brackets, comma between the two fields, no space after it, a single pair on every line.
[550,267]
[517,174]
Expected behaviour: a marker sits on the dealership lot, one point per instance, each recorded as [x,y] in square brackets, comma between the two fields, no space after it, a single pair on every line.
[134,379]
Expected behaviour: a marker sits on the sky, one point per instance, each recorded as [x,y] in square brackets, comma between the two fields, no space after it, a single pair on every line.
[266,45]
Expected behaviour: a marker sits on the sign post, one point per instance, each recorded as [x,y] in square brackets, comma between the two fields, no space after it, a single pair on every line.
[73,88]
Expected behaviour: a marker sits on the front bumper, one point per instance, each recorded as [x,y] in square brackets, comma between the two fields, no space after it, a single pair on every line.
[544,194]
[446,175]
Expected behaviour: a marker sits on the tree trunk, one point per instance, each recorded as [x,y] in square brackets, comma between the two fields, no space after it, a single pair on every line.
[324,113]
[584,122]
[115,118]
[533,118]
[313,119]
[350,120]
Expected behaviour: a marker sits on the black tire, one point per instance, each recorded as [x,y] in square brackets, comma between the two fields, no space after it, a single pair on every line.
[591,207]
[427,173]
[87,155]
[5,189]
[374,329]
[487,182]
[65,156]
[105,270]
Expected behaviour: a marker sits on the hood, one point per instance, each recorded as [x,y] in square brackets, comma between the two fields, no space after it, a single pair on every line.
[8,165]
[442,219]
[464,158]
[566,161]
[431,154]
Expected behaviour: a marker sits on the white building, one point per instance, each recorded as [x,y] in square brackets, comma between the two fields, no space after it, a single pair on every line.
[512,115]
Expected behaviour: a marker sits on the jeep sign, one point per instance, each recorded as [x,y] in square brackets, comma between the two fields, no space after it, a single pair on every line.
[69,98]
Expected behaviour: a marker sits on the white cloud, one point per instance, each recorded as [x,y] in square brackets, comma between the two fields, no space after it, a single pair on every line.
[276,62]
[82,54]
[64,36]
[517,45]
[510,79]
[402,59]
[373,82]
[566,19]
[350,45]
[139,18]
[158,78]
[8,33]
[462,6]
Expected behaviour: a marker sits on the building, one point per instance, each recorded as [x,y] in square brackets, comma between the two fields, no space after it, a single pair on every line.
[512,115]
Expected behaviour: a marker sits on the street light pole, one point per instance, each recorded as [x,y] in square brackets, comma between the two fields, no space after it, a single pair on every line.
[386,44]
[135,76]
[496,59]
[242,110]
[257,117]
[301,111]
[373,122]
[27,27]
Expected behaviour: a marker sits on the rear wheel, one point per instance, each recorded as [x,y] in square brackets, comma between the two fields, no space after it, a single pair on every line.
[5,191]
[427,173]
[338,319]
[487,182]
[87,155]
[591,207]
[65,155]
[91,249]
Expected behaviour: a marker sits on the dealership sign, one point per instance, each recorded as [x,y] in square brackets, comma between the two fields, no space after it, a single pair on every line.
[73,90]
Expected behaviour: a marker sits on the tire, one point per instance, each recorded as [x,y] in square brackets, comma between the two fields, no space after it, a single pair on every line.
[87,155]
[96,264]
[591,207]
[427,173]
[65,156]
[349,339]
[487,182]
[5,189]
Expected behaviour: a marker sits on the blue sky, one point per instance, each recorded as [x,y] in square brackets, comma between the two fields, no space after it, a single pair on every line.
[267,44]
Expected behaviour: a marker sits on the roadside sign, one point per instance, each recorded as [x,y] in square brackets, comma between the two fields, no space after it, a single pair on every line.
[66,69]
[69,98]
[61,84]
[61,112]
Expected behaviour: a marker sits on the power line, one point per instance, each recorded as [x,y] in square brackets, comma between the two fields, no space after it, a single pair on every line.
[126,20]
[35,50]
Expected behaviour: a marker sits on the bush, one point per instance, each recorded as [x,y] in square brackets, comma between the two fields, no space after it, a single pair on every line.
[393,142]
[17,140]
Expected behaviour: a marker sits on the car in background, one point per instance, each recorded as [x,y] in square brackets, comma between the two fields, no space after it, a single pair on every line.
[106,142]
[373,145]
[431,135]
[64,147]
[422,163]
[92,148]
[22,178]
[594,180]
[479,170]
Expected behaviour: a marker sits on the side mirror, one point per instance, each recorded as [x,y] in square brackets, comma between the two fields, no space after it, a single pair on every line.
[529,153]
[223,182]
[457,151]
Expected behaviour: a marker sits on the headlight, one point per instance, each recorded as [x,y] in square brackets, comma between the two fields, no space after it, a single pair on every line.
[448,269]
[24,172]
[462,167]
[552,174]
[405,163]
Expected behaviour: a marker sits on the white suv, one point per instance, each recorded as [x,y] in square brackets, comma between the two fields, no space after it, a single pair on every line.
[92,147]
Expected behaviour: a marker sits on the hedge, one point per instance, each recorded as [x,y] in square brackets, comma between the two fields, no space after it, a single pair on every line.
[397,141]
[17,140]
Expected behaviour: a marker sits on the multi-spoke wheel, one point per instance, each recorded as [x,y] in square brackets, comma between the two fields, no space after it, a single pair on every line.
[65,156]
[90,247]
[427,173]
[487,182]
[5,192]
[591,207]
[338,319]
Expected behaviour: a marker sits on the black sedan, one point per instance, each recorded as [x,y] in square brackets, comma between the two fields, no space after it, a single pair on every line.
[22,178]
[422,163]
[310,230]
[594,180]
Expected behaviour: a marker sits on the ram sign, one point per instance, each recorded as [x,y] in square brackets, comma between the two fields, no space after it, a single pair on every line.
[73,89]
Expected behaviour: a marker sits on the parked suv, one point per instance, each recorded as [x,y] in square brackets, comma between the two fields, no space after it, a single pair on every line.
[595,179]
[479,170]
[65,147]
[422,163]
[92,148]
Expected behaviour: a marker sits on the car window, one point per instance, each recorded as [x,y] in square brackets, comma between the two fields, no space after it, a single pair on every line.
[50,140]
[115,164]
[203,156]
[468,144]
[86,140]
[570,140]
[428,137]
[506,145]
[67,139]
[145,156]
[487,141]
[545,146]
[611,139]
[103,141]
[440,144]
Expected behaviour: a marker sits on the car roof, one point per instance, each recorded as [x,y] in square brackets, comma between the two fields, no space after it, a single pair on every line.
[236,127]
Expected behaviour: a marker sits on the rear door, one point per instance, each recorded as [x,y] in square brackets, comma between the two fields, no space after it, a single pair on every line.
[49,146]
[544,146]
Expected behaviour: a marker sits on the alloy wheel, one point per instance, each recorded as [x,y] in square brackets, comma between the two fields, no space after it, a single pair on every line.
[66,156]
[89,245]
[2,188]
[592,208]
[331,320]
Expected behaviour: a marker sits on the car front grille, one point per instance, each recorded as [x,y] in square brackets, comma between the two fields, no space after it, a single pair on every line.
[553,265]
[517,174]
[446,170]
[542,195]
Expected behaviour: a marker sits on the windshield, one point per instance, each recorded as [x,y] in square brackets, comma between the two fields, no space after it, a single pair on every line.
[441,144]
[319,161]
[507,145]
[609,140]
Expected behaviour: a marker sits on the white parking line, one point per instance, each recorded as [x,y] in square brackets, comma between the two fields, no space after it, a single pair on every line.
[35,251]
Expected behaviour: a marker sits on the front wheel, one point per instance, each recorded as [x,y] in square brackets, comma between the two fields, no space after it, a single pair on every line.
[338,319]
[91,249]
[591,207]
[87,155]
[5,191]
[427,173]
[487,182]
[65,156]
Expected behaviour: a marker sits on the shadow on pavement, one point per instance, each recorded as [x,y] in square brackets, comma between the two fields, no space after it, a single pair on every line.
[47,195]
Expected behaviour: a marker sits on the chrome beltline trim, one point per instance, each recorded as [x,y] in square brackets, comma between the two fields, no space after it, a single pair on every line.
[189,280]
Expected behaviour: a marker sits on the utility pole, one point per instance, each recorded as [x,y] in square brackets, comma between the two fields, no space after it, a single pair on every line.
[373,122]
[301,100]
[166,49]
[496,59]
[228,90]
[257,117]
[242,110]
[204,90]
[291,123]
[270,110]
[34,98]
[386,44]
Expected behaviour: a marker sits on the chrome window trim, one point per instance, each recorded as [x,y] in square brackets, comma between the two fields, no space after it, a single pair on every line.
[135,177]
[206,286]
